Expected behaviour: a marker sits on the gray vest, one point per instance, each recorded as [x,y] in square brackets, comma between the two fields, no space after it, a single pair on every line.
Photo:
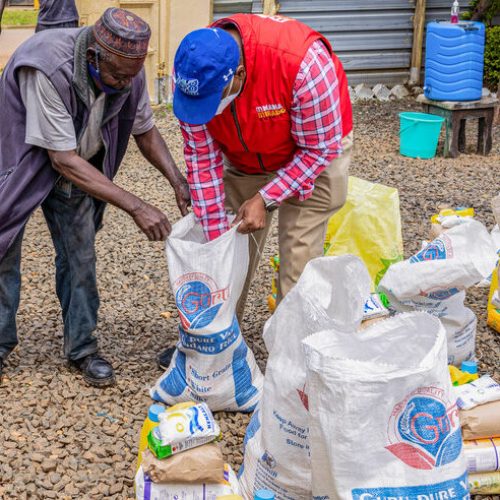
[26,174]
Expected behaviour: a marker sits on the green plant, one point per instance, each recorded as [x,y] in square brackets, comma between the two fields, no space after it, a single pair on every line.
[492,58]
[482,10]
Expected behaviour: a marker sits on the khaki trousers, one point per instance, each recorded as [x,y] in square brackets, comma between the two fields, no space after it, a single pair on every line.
[301,225]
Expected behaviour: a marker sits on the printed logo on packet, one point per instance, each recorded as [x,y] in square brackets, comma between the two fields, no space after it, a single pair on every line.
[198,300]
[443,294]
[439,249]
[424,430]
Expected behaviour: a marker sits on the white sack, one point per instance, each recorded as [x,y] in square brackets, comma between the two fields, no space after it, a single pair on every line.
[212,363]
[383,417]
[433,280]
[330,293]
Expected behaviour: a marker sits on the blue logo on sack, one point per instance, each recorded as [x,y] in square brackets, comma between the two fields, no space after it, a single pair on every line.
[439,249]
[424,430]
[198,300]
[453,489]
[443,294]
[213,343]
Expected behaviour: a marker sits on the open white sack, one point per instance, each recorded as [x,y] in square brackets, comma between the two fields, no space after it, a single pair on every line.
[212,363]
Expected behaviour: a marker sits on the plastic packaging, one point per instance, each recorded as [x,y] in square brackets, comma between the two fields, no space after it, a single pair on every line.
[469,367]
[459,377]
[148,490]
[182,428]
[264,495]
[493,309]
[481,391]
[149,424]
[485,483]
[374,308]
[445,213]
[368,226]
[494,297]
[271,299]
[448,218]
[482,455]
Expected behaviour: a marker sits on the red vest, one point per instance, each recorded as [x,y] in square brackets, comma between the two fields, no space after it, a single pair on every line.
[255,131]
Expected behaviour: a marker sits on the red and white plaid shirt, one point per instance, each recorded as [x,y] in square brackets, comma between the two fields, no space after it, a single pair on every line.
[316,129]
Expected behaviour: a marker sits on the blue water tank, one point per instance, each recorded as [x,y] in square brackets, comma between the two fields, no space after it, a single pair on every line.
[454,60]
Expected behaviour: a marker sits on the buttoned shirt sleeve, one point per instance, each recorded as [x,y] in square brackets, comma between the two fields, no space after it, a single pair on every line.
[316,127]
[205,174]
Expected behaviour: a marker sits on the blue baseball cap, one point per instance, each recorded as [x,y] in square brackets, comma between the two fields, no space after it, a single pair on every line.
[204,64]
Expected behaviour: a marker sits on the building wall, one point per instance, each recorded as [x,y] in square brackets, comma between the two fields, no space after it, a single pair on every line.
[170,20]
[373,38]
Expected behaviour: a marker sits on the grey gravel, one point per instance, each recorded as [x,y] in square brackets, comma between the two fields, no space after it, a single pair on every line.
[54,428]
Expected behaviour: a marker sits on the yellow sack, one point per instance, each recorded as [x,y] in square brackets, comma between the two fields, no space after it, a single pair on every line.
[494,310]
[369,226]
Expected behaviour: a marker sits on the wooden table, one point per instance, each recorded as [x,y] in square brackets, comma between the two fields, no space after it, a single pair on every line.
[455,114]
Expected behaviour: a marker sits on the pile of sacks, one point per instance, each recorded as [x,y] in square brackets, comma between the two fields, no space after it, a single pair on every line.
[369,410]
[434,280]
[479,405]
[365,413]
[182,459]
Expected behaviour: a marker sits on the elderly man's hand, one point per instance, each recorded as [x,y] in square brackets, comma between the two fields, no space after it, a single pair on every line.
[182,195]
[151,221]
[252,215]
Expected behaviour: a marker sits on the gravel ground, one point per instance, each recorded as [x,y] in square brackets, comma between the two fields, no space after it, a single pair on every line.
[63,439]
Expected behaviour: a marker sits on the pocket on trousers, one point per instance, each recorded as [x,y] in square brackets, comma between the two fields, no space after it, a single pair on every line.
[63,187]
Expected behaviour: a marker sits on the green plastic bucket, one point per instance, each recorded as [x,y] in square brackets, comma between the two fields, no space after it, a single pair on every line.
[419,134]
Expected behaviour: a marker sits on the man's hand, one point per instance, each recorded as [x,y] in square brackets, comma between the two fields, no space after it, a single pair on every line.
[155,150]
[151,221]
[252,214]
[182,195]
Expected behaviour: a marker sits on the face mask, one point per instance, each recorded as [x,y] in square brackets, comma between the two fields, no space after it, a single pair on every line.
[227,100]
[96,76]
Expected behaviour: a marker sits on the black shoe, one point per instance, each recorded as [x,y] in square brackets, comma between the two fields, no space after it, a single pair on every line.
[95,370]
[1,370]
[165,357]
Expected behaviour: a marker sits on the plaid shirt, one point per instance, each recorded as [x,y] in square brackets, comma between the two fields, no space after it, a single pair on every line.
[316,129]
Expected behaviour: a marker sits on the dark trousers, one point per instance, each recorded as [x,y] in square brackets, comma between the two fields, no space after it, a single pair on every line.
[70,216]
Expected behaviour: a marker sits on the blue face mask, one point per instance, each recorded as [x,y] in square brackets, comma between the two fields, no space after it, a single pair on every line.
[96,76]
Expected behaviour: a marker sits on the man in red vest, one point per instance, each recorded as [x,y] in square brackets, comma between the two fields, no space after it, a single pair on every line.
[267,124]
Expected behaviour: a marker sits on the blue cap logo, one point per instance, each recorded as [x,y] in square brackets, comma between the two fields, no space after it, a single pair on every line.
[189,87]
[204,65]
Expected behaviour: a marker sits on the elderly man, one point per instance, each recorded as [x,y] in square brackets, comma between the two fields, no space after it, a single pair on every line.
[69,105]
[267,124]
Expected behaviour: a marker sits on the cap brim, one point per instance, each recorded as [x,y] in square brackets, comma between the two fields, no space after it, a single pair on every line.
[195,110]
